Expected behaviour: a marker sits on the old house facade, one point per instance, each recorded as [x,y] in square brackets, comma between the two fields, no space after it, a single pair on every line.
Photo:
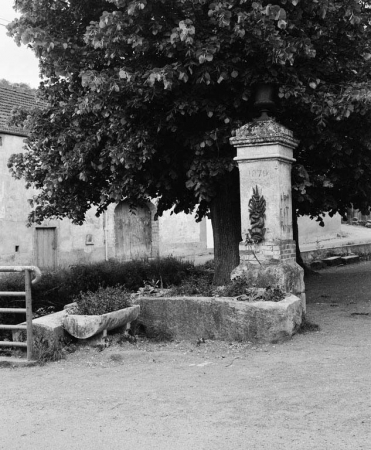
[116,234]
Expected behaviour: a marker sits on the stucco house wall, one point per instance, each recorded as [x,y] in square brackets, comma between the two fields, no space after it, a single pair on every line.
[177,235]
[15,238]
[67,243]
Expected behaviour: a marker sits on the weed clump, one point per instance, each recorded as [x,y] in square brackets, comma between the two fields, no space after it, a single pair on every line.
[196,285]
[200,285]
[103,301]
[308,327]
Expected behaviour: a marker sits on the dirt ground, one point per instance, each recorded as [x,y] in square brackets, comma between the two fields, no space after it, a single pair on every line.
[312,392]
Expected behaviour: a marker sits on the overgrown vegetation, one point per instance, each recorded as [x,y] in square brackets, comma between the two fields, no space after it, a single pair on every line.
[200,285]
[45,350]
[197,284]
[66,285]
[60,287]
[103,301]
[307,327]
[108,286]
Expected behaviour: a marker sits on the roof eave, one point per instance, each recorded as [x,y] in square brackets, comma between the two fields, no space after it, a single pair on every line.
[14,132]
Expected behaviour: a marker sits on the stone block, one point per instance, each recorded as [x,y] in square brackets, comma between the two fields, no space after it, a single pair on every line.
[220,318]
[49,327]
[287,275]
[350,259]
[332,261]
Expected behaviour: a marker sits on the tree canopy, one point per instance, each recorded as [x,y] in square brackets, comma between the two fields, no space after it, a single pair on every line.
[23,86]
[143,96]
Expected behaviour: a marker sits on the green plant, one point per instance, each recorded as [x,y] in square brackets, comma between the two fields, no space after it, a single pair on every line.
[104,300]
[238,286]
[307,327]
[196,285]
[272,294]
[44,350]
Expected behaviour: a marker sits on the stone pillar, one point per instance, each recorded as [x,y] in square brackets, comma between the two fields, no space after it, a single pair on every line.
[264,157]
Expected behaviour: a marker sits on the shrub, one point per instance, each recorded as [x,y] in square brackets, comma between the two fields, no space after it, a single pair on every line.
[104,300]
[196,285]
[200,285]
[238,286]
[45,351]
[58,288]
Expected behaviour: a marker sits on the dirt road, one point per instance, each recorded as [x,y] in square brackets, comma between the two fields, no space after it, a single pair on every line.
[313,392]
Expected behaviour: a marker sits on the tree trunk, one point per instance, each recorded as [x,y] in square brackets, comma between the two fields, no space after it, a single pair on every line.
[225,217]
[295,232]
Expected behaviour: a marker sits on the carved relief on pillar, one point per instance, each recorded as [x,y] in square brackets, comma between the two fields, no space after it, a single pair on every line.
[257,207]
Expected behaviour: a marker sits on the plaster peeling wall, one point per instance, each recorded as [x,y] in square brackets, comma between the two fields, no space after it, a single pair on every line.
[14,208]
[93,241]
[17,241]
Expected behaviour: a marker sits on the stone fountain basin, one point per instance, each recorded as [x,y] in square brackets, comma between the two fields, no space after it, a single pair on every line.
[84,327]
[228,319]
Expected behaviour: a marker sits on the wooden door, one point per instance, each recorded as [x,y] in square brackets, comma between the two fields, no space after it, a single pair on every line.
[132,232]
[46,248]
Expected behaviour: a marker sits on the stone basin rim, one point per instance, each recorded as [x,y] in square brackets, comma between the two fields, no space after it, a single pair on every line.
[84,326]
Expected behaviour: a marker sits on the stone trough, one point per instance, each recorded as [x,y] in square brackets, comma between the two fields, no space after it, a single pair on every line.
[84,327]
[54,328]
[187,318]
[227,319]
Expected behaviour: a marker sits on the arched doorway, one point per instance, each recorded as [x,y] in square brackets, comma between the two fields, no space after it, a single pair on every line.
[133,233]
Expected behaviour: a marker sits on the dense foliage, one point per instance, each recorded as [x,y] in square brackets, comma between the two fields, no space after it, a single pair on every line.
[58,288]
[103,301]
[144,95]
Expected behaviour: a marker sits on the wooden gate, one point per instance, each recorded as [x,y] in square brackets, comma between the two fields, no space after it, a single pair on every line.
[46,248]
[133,235]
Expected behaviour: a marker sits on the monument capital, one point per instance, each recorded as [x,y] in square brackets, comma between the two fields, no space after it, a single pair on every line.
[263,133]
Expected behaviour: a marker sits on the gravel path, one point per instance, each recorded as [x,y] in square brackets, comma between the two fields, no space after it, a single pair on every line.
[313,392]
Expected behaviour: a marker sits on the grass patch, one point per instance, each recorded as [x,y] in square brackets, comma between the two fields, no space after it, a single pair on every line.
[308,327]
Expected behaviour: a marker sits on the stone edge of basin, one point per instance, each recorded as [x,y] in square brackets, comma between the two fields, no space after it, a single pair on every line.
[220,318]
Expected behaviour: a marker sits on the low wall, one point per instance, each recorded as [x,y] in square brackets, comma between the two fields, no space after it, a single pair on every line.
[357,249]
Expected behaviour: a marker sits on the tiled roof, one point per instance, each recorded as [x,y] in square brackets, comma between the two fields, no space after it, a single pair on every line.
[10,98]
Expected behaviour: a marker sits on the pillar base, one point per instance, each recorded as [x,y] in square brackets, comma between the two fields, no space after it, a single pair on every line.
[287,275]
[275,251]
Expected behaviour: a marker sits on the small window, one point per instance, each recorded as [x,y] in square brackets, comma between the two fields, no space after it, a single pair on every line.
[16,248]
[89,239]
